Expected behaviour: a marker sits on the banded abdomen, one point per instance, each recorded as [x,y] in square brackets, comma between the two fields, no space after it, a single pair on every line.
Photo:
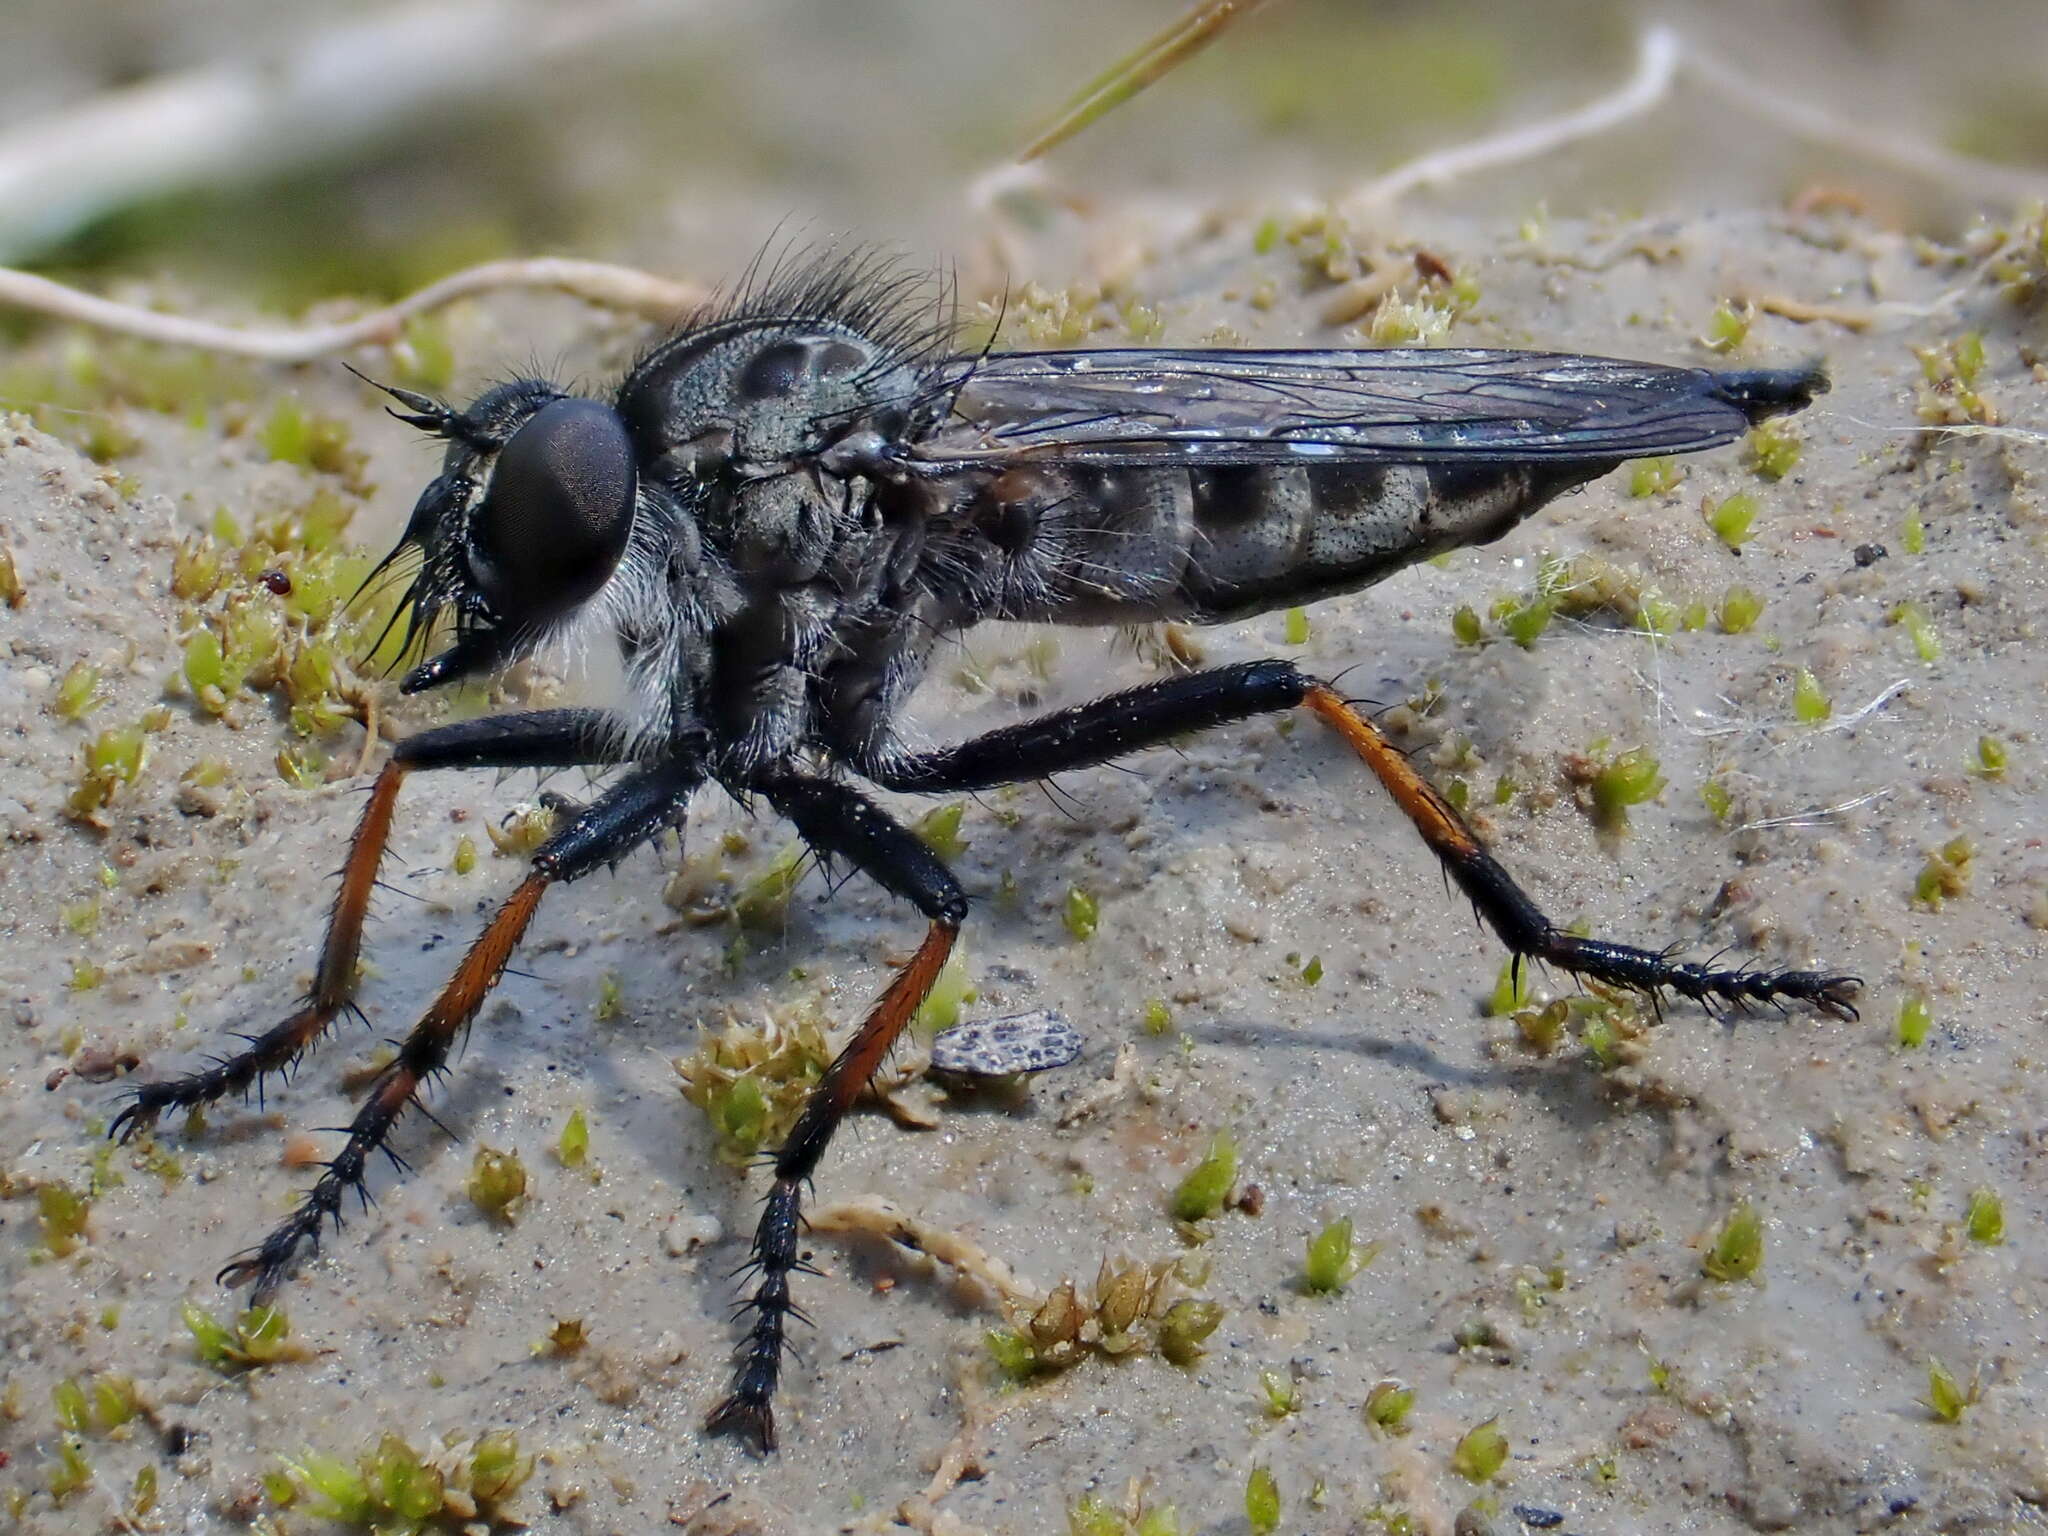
[1085,545]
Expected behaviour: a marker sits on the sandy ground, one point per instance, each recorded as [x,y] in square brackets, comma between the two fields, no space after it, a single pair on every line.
[1550,1212]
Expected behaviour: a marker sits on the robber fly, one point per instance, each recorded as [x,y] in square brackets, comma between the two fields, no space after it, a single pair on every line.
[789,502]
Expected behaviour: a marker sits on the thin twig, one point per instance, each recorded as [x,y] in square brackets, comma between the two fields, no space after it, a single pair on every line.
[597,281]
[1662,56]
[876,1217]
[261,115]
[1142,66]
[1657,60]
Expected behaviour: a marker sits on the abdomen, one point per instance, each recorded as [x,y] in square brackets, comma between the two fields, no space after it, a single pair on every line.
[1114,546]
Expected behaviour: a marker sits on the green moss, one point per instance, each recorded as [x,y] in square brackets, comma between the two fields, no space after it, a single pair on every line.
[78,692]
[1773,448]
[1810,705]
[939,829]
[497,1184]
[1261,1502]
[572,1147]
[1984,1218]
[1991,759]
[1913,534]
[952,990]
[107,764]
[1201,1194]
[258,1337]
[1524,620]
[464,861]
[1481,1452]
[292,435]
[1737,1250]
[1946,873]
[763,902]
[12,592]
[1013,1353]
[1186,1328]
[1715,797]
[1511,989]
[1332,1260]
[1158,1018]
[1913,619]
[1280,1394]
[1387,1405]
[1946,1397]
[1654,477]
[1733,518]
[1628,780]
[1082,913]
[611,999]
[1916,1020]
[1738,610]
[70,1472]
[61,1217]
[1296,632]
[1728,327]
[1466,627]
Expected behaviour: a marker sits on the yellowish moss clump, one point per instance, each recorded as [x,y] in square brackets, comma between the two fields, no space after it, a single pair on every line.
[395,1489]
[750,1078]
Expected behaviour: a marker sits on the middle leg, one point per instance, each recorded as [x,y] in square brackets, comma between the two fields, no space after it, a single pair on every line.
[833,819]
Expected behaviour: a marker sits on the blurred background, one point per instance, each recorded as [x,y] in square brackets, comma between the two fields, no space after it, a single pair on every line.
[285,153]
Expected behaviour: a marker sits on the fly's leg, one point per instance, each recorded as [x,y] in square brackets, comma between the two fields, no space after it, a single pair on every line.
[833,820]
[553,738]
[1146,716]
[624,817]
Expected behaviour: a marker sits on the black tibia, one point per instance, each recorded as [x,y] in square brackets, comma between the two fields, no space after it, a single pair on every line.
[1157,712]
[550,738]
[625,816]
[833,820]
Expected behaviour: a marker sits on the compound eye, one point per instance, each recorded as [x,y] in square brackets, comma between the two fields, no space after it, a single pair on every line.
[551,529]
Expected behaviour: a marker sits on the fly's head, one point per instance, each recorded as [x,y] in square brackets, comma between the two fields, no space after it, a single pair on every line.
[530,516]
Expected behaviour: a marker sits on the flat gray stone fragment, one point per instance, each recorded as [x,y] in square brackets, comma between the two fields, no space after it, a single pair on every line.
[1019,1042]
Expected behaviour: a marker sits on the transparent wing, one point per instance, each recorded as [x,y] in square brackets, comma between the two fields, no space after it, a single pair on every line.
[1399,405]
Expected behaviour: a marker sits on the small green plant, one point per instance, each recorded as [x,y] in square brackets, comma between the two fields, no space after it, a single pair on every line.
[1627,780]
[1737,1250]
[61,1213]
[939,829]
[78,692]
[1297,626]
[1733,518]
[1946,1397]
[1913,534]
[1387,1405]
[572,1148]
[1738,611]
[1481,1452]
[1081,914]
[1262,1501]
[1946,873]
[1728,327]
[1186,1328]
[1991,758]
[1333,1261]
[1201,1194]
[1912,618]
[1773,448]
[1810,705]
[1916,1019]
[1280,1393]
[257,1337]
[1466,627]
[497,1184]
[1158,1018]
[1984,1218]
[1654,477]
[1512,989]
